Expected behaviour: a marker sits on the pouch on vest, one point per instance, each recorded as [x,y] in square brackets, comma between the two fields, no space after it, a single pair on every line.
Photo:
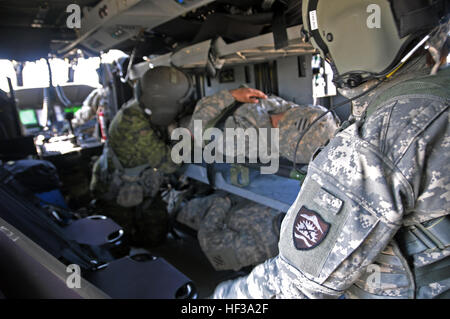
[126,185]
[130,195]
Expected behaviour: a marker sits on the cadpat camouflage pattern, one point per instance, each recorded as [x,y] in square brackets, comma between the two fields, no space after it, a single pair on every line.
[341,236]
[130,187]
[136,142]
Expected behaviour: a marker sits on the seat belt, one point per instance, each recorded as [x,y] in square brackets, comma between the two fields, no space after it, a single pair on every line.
[216,122]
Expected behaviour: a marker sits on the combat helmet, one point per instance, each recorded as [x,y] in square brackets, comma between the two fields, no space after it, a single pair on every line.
[162,93]
[366,39]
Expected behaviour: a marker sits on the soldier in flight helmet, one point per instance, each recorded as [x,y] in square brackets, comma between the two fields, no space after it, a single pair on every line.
[372,217]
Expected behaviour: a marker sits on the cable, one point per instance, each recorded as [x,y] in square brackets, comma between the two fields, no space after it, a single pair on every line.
[62,97]
[294,165]
[384,77]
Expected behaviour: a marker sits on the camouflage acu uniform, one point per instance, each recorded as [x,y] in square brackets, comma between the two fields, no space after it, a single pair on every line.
[295,119]
[89,107]
[210,107]
[376,183]
[232,235]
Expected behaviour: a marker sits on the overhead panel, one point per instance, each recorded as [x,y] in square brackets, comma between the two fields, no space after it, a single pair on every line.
[254,50]
[111,22]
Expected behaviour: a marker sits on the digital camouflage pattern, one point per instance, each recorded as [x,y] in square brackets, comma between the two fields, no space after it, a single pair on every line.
[210,107]
[195,210]
[232,235]
[295,121]
[415,68]
[135,143]
[390,172]
[89,108]
[296,118]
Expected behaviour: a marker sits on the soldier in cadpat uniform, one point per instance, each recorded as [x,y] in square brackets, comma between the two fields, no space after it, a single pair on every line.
[137,161]
[372,217]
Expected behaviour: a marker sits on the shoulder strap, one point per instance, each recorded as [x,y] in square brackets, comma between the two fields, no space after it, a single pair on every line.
[436,85]
[228,111]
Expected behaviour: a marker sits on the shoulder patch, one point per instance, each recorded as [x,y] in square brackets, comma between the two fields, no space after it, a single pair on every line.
[309,230]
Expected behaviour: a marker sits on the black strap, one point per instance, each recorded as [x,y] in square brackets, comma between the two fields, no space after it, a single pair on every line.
[279,25]
[220,119]
[217,122]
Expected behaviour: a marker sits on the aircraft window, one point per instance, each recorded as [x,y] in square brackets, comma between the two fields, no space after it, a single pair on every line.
[35,74]
[7,70]
[86,72]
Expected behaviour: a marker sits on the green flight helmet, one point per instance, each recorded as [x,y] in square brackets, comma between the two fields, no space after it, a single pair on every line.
[163,92]
[365,39]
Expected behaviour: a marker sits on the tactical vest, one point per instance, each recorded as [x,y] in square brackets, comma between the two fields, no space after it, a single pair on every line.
[127,186]
[432,236]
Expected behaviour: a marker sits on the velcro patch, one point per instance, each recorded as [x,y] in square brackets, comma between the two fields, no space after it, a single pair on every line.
[328,201]
[309,230]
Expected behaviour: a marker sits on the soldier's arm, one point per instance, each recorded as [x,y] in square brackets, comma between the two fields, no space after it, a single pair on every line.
[227,245]
[211,106]
[346,212]
[355,198]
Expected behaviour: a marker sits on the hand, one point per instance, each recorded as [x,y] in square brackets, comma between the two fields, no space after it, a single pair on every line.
[246,95]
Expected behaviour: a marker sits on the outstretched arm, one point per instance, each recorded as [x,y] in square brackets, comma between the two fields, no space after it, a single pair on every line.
[247,95]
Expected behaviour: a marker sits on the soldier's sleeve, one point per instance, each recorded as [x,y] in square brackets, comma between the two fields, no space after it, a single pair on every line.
[88,109]
[226,245]
[353,201]
[209,107]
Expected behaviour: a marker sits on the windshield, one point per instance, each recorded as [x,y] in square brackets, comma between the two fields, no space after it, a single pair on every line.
[36,75]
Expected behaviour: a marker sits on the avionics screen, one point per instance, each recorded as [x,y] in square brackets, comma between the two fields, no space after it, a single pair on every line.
[28,118]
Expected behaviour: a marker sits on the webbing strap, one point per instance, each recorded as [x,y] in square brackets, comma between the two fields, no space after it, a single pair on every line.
[417,238]
[434,272]
[433,85]
[226,112]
